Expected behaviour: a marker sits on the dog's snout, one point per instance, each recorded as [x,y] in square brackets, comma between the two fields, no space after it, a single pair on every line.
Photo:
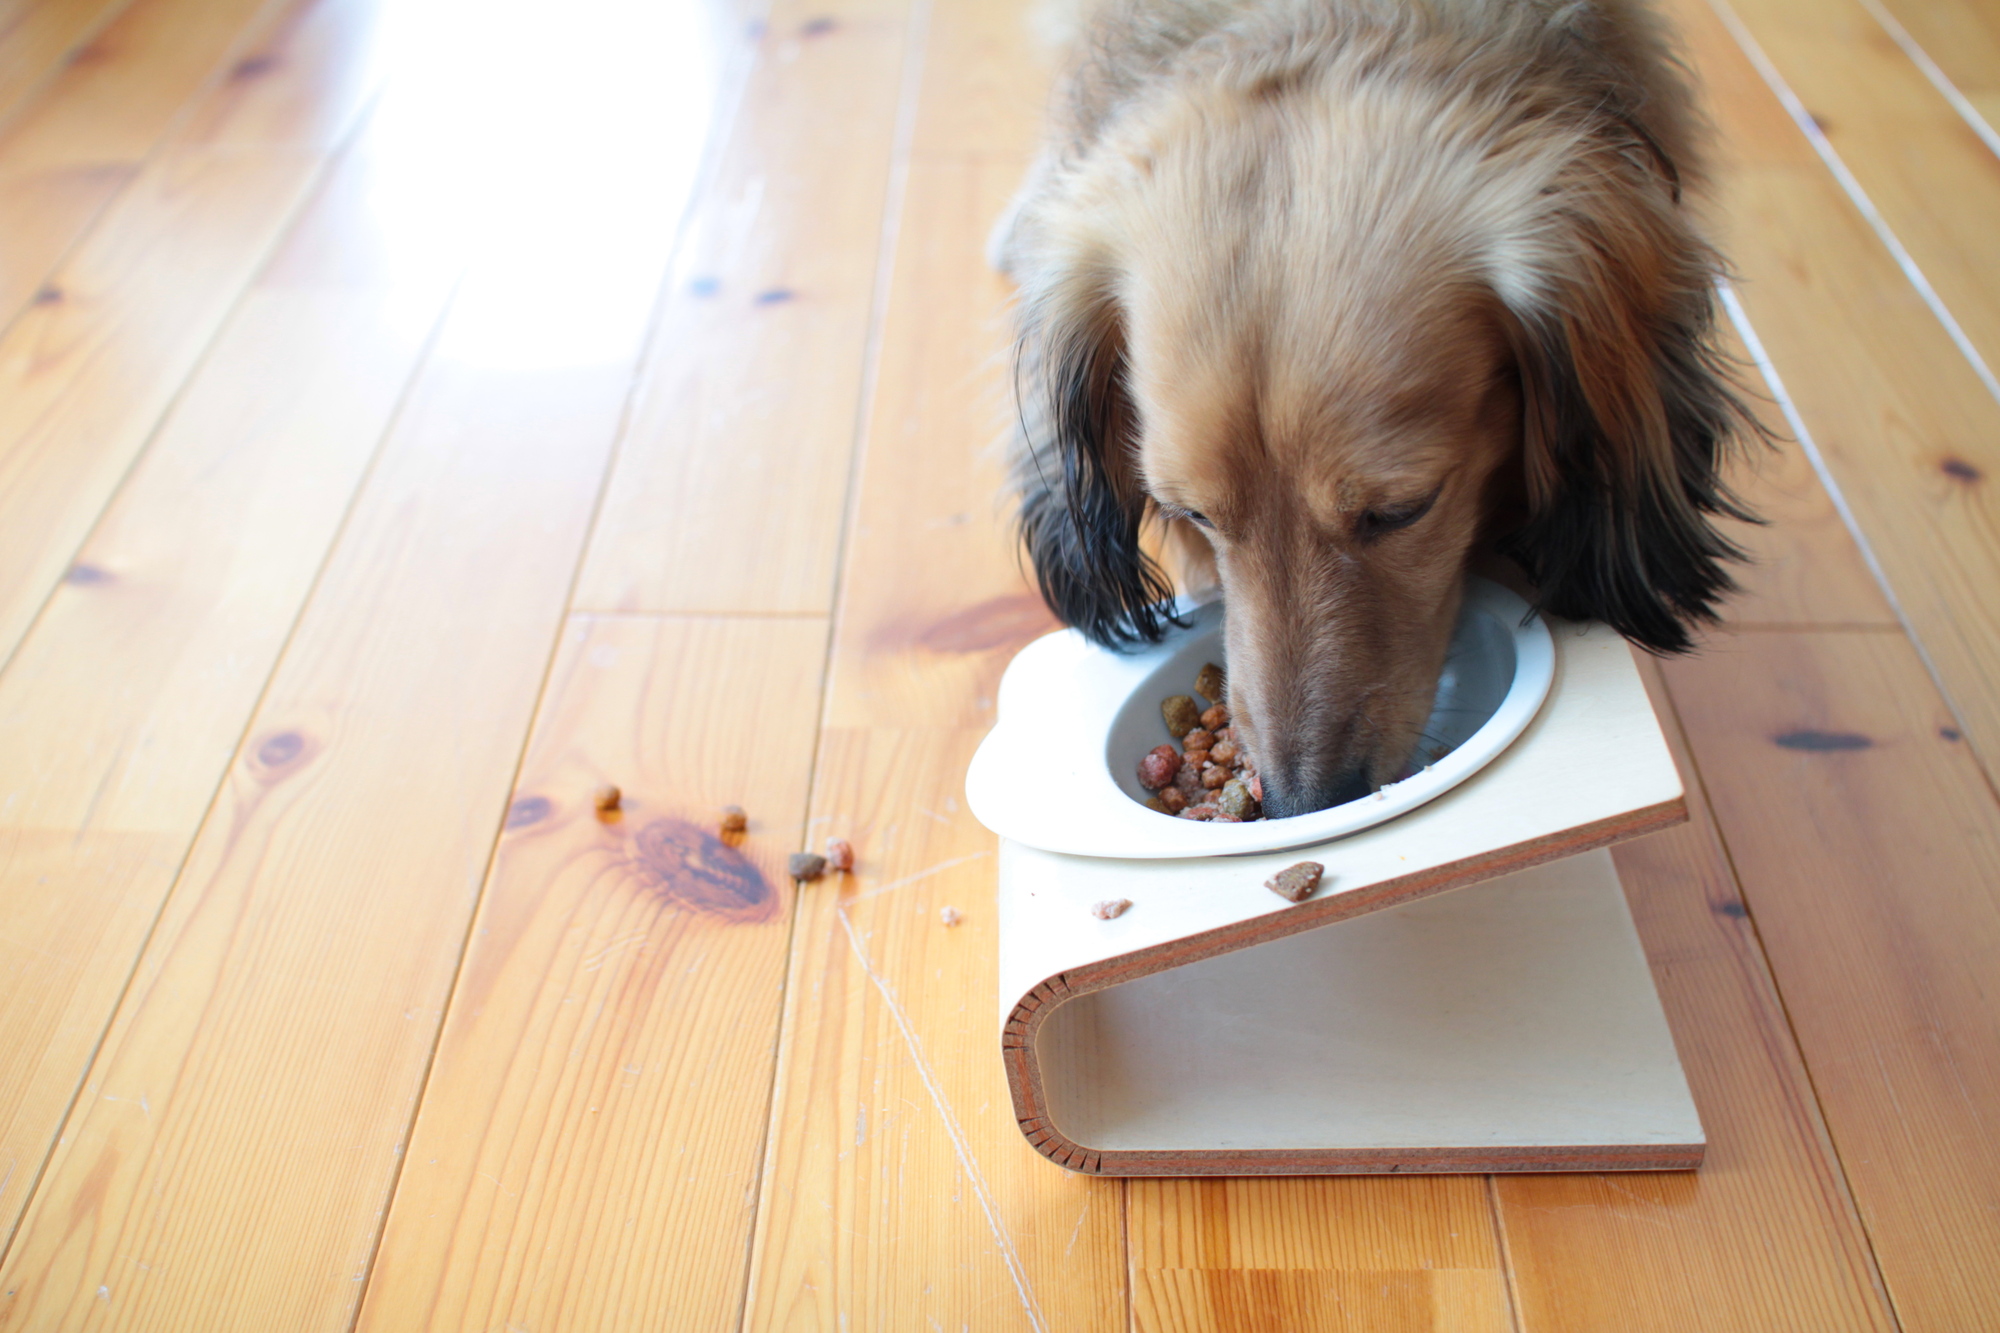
[1295,793]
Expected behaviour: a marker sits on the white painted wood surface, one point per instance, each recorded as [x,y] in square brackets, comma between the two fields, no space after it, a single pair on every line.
[1516,1014]
[1591,768]
[1153,1076]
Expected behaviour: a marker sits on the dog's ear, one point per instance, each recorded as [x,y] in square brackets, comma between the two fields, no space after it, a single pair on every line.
[1628,410]
[1082,504]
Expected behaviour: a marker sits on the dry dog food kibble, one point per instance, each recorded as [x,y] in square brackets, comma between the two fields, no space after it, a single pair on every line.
[1110,907]
[1296,883]
[949,915]
[1157,769]
[607,799]
[1209,777]
[1181,714]
[806,865]
[733,819]
[1234,800]
[839,855]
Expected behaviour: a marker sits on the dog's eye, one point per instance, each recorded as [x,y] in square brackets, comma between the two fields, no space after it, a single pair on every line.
[1175,511]
[1389,518]
[1200,519]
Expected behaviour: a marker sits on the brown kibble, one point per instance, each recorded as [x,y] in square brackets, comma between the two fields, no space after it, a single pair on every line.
[1296,883]
[1110,907]
[1157,769]
[806,865]
[839,855]
[1235,800]
[733,819]
[1207,761]
[950,916]
[607,799]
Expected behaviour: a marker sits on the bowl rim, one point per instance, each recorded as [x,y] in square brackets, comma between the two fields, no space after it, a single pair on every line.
[1064,686]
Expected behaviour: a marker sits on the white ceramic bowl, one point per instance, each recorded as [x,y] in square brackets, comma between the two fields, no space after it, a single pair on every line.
[1059,770]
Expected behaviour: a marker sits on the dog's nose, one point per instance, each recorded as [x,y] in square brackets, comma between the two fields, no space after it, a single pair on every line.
[1286,795]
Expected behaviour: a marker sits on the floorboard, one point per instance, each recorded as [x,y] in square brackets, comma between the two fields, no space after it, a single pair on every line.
[730,489]
[278,1028]
[123,708]
[1906,427]
[417,413]
[70,151]
[612,1188]
[898,1192]
[1869,850]
[36,39]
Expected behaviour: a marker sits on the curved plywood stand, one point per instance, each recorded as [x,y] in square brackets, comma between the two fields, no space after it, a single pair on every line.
[1214,1029]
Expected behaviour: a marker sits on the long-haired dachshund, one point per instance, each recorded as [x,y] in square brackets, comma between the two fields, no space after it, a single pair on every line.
[1349,294]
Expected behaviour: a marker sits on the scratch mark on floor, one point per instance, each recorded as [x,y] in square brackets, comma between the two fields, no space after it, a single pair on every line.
[598,959]
[1088,1200]
[924,874]
[960,1147]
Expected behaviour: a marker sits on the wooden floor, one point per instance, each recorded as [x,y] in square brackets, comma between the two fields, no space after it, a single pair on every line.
[415,413]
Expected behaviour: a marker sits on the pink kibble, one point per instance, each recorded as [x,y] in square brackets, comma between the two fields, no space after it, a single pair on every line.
[839,855]
[1157,769]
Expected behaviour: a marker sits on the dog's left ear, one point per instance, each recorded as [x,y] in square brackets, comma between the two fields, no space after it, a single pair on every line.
[1628,411]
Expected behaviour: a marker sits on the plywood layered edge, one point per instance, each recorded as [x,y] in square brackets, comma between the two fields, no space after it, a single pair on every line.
[1024,1022]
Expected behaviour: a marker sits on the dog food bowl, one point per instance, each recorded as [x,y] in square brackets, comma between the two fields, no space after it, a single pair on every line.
[1059,771]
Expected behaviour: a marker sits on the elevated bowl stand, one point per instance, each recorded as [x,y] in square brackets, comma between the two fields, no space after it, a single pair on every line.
[1466,992]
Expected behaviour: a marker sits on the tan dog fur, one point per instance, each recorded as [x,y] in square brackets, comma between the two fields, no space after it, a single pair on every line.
[1350,293]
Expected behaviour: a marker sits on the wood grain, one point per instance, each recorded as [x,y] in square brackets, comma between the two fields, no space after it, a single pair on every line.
[1872,103]
[1963,38]
[1804,567]
[898,1191]
[591,1130]
[77,145]
[1362,1253]
[729,489]
[35,38]
[124,706]
[1763,1237]
[1896,411]
[1869,848]
[85,376]
[279,1025]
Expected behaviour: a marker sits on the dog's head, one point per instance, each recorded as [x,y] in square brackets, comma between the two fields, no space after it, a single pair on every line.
[1356,346]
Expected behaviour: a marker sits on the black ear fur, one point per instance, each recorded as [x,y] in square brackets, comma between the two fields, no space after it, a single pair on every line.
[1081,503]
[1629,416]
[1629,541]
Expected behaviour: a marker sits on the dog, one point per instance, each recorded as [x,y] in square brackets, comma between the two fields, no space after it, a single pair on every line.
[1330,300]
